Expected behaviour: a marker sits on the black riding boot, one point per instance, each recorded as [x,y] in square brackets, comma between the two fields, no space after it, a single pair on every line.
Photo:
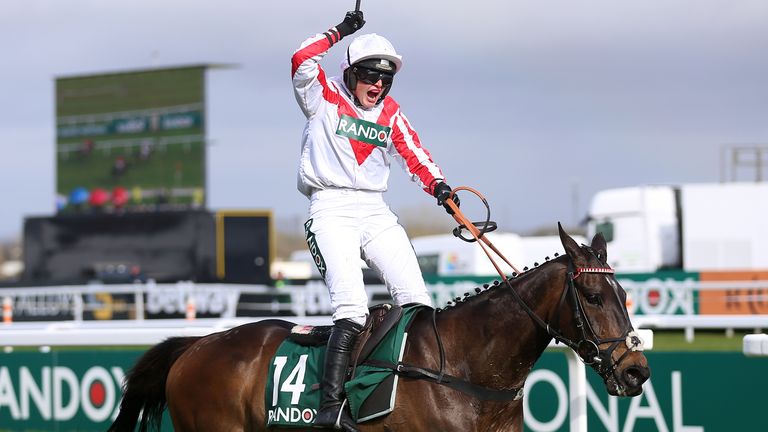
[334,411]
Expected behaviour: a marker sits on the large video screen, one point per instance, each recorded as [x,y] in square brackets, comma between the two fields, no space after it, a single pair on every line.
[131,140]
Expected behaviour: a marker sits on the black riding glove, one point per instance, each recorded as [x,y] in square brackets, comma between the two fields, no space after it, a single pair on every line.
[442,191]
[353,21]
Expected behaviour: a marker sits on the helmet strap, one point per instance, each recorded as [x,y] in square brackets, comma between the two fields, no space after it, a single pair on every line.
[351,82]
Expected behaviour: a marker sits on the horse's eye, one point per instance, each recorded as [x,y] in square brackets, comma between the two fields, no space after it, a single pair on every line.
[594,299]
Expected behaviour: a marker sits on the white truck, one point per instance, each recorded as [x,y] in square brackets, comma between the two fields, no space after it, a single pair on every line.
[692,227]
[446,255]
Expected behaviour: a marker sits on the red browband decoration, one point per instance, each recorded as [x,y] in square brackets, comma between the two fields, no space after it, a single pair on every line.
[580,270]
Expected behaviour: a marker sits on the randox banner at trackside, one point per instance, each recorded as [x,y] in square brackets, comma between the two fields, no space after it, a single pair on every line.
[666,292]
[79,390]
[67,390]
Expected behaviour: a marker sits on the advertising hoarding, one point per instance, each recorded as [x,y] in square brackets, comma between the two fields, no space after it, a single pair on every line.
[79,389]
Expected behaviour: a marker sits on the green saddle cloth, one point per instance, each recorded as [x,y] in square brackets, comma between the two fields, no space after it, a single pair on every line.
[293,385]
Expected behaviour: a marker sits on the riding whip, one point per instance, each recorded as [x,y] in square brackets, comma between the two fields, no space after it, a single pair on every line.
[478,234]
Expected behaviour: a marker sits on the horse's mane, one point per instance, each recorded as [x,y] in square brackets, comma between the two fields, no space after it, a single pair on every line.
[484,290]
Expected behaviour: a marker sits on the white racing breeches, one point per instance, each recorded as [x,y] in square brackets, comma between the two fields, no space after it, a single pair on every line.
[345,225]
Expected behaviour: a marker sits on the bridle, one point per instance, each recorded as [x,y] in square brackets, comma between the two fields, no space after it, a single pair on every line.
[587,347]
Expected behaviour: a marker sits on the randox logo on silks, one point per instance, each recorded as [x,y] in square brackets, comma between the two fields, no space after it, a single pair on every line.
[317,257]
[364,131]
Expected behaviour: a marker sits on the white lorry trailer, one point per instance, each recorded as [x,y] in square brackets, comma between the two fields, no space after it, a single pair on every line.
[693,227]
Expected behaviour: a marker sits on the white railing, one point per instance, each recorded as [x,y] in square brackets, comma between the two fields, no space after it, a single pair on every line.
[122,333]
[142,301]
[755,345]
[690,323]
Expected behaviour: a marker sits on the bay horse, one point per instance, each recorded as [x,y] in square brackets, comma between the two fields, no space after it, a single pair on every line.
[488,340]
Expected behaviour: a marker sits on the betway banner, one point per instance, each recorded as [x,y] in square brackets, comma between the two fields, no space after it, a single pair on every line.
[79,390]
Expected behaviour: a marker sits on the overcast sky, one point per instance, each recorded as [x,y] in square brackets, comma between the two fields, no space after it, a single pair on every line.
[537,104]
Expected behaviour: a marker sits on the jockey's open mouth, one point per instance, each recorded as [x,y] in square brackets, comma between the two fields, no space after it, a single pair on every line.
[373,94]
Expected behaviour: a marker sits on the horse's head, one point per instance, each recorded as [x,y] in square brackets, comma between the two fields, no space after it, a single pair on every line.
[593,319]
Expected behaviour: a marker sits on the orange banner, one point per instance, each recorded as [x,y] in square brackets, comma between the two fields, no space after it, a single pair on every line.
[737,301]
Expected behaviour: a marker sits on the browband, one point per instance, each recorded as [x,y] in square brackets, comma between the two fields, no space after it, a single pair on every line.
[580,270]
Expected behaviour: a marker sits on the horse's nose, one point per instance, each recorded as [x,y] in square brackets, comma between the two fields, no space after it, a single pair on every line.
[635,376]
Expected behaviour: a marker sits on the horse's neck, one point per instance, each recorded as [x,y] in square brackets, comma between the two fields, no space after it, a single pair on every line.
[500,342]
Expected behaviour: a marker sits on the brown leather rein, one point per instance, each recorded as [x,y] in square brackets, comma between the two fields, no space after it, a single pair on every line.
[479,236]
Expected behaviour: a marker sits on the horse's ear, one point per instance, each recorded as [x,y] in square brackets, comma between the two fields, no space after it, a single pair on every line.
[571,247]
[598,244]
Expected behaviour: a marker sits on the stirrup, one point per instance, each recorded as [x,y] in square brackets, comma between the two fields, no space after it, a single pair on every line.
[343,421]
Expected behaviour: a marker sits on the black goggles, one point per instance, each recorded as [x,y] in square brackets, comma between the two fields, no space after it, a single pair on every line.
[371,76]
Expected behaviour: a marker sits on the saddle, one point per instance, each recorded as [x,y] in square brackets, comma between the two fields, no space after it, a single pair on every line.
[381,318]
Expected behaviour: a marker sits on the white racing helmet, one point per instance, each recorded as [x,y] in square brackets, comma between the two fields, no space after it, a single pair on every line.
[371,46]
[370,51]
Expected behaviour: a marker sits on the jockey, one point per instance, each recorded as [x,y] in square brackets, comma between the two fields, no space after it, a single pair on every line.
[353,132]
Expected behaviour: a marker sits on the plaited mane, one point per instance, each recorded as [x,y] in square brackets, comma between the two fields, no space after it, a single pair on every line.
[486,288]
